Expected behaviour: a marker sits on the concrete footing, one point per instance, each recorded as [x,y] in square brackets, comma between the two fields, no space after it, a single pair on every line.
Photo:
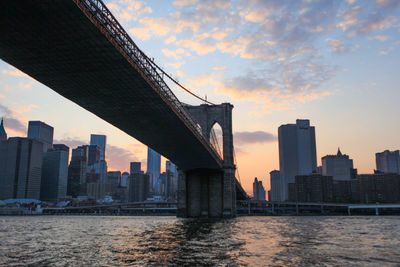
[206,193]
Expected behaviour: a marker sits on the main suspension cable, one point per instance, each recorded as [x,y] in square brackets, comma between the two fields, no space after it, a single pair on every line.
[181,86]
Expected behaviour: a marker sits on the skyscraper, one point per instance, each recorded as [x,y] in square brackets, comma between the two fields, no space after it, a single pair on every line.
[297,152]
[101,142]
[388,161]
[339,166]
[3,134]
[20,168]
[77,171]
[258,190]
[42,132]
[153,167]
[55,173]
[94,154]
[136,167]
[275,182]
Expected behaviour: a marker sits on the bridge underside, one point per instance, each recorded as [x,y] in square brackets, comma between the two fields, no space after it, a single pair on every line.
[55,43]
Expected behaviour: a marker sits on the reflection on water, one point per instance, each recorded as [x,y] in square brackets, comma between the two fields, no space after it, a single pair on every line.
[252,241]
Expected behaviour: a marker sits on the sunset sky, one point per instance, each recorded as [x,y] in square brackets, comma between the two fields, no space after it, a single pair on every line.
[336,63]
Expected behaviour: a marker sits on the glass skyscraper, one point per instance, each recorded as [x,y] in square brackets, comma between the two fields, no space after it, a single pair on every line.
[100,141]
[42,132]
[297,152]
[153,167]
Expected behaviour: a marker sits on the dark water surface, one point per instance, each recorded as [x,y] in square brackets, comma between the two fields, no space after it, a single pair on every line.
[252,241]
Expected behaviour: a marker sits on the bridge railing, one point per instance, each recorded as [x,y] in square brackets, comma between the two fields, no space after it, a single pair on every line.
[98,11]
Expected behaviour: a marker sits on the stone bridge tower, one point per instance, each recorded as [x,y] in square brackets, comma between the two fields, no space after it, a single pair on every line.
[210,192]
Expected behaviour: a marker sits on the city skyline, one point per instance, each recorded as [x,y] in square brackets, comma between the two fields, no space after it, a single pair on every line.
[358,86]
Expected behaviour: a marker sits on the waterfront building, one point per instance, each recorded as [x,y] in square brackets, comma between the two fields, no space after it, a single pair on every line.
[311,188]
[136,167]
[153,167]
[20,168]
[379,187]
[99,190]
[54,173]
[101,142]
[297,152]
[258,190]
[339,166]
[388,161]
[99,168]
[42,132]
[114,178]
[94,154]
[77,171]
[3,134]
[275,181]
[139,186]
[173,170]
[124,179]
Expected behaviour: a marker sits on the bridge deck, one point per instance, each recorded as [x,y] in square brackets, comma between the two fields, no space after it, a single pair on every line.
[58,45]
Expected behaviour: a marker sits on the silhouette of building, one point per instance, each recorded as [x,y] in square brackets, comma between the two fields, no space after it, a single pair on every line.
[20,168]
[94,154]
[275,181]
[388,161]
[99,190]
[258,190]
[297,152]
[139,187]
[172,172]
[3,134]
[153,168]
[136,167]
[379,187]
[42,132]
[339,166]
[114,178]
[124,179]
[311,188]
[77,171]
[101,142]
[54,173]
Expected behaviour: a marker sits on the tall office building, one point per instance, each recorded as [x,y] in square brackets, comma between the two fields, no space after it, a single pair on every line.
[3,134]
[136,167]
[258,190]
[101,142]
[77,171]
[153,167]
[124,179]
[171,168]
[94,154]
[275,181]
[42,132]
[388,161]
[55,173]
[297,152]
[339,166]
[138,187]
[20,168]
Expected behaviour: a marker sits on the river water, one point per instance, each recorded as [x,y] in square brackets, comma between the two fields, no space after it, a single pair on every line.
[160,241]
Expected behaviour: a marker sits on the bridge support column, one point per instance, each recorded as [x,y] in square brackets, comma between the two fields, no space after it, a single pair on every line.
[206,193]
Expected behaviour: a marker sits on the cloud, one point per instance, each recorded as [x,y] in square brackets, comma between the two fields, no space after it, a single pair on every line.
[174,54]
[11,121]
[242,138]
[220,68]
[176,65]
[376,22]
[170,39]
[381,38]
[338,47]
[13,72]
[200,48]
[151,27]
[181,3]
[128,10]
[388,4]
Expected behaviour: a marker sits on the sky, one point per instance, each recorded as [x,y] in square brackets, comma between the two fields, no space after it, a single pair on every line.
[333,62]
